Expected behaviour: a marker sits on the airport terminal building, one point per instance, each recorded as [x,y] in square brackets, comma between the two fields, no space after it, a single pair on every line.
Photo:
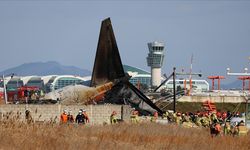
[46,83]
[54,82]
[138,75]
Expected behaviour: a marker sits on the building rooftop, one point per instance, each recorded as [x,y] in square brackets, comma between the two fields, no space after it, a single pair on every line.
[128,68]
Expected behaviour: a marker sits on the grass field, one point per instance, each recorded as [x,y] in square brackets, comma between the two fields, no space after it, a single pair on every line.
[193,107]
[17,135]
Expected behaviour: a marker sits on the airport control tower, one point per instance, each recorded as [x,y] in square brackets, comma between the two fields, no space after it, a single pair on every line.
[155,60]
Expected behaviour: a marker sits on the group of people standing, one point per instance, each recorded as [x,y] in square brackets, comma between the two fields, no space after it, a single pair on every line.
[218,122]
[81,117]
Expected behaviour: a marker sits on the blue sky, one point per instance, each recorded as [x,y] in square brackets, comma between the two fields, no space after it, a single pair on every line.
[217,33]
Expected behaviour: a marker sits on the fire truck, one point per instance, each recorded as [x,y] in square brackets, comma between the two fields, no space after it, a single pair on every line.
[22,93]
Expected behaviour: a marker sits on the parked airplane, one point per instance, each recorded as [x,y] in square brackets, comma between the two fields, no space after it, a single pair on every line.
[109,82]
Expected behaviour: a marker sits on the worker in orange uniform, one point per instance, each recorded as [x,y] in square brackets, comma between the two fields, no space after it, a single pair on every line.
[215,128]
[64,117]
[85,115]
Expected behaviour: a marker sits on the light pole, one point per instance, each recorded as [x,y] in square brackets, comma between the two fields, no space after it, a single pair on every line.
[16,96]
[5,91]
[174,76]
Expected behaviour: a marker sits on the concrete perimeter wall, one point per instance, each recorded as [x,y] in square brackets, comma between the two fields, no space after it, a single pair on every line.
[216,99]
[98,114]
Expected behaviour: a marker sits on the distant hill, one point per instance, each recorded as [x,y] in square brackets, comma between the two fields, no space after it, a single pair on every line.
[45,68]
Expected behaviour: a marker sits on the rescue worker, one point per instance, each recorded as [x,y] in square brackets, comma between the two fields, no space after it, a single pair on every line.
[166,115]
[198,120]
[80,118]
[215,128]
[64,117]
[154,117]
[86,117]
[186,117]
[134,116]
[186,122]
[205,120]
[28,117]
[178,119]
[214,117]
[173,117]
[113,118]
[224,116]
[70,117]
[218,128]
[227,128]
[241,128]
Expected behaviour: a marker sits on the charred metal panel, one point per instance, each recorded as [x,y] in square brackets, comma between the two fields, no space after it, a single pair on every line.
[144,98]
[108,65]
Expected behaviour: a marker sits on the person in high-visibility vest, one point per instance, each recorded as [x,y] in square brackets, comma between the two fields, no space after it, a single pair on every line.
[113,118]
[154,117]
[214,117]
[197,119]
[205,120]
[242,129]
[134,116]
[178,118]
[166,115]
[227,128]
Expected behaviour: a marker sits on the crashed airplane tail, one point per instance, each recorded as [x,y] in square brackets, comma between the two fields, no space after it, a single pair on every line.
[108,65]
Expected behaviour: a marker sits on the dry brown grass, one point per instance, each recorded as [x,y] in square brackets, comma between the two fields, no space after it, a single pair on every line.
[18,135]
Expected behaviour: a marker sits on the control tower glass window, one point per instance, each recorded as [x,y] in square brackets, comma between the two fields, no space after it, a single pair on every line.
[155,55]
[155,60]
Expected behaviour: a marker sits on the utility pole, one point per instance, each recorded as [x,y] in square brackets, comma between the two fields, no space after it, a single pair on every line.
[5,92]
[190,77]
[174,75]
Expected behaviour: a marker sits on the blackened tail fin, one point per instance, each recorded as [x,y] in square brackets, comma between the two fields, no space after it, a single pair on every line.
[108,65]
